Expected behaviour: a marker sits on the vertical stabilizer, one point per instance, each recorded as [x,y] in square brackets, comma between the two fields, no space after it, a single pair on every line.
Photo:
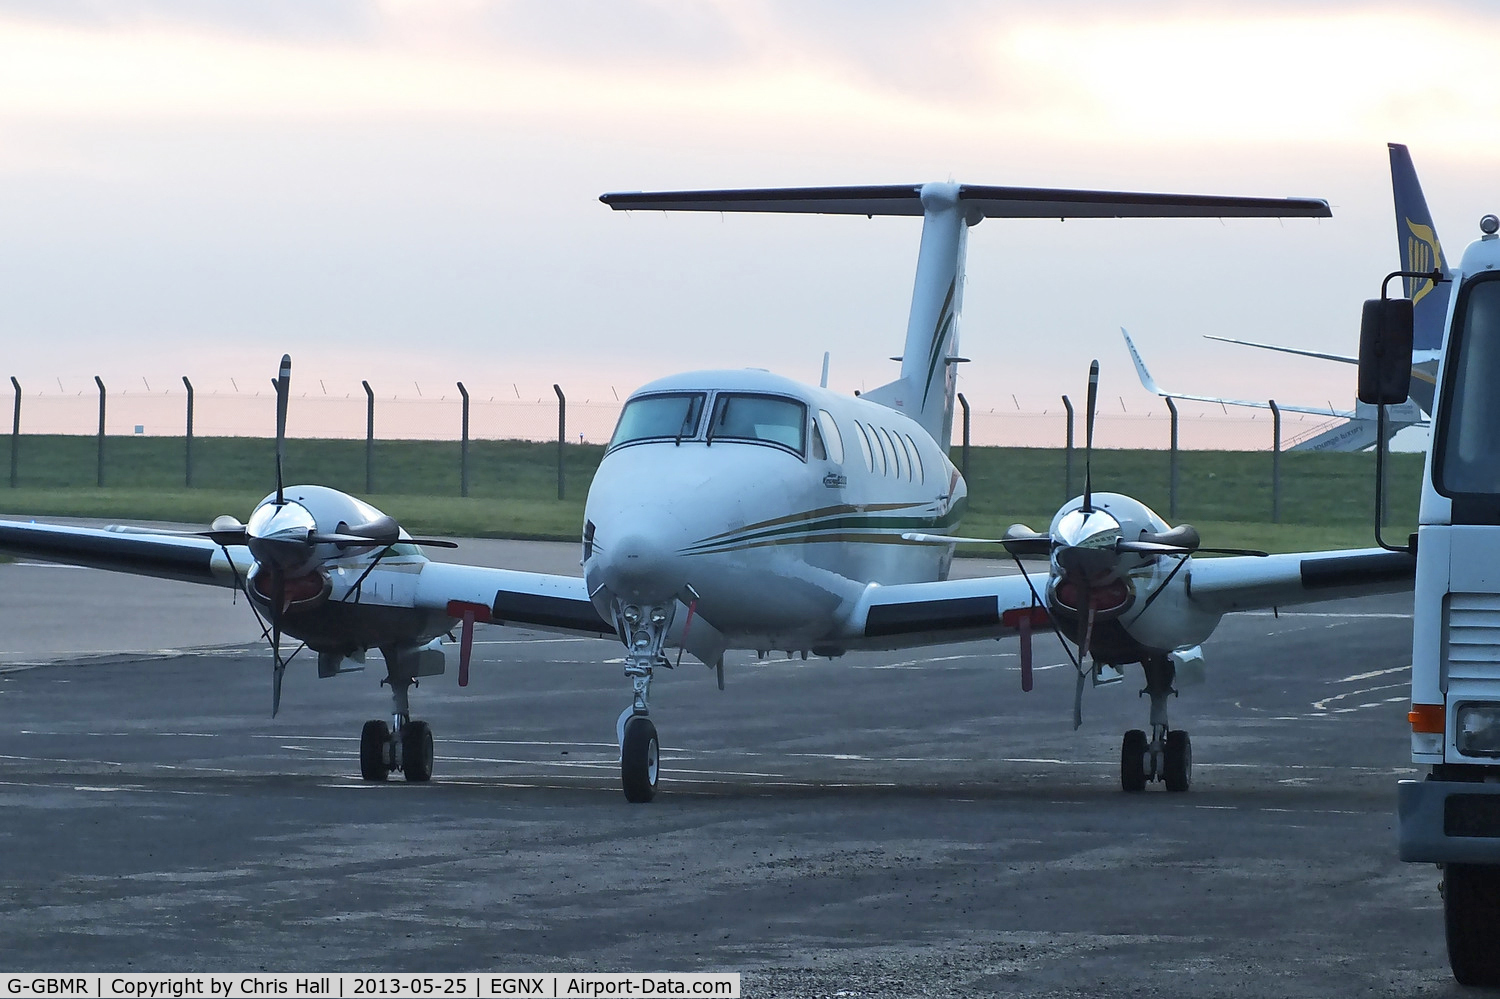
[925,391]
[1417,239]
[1420,251]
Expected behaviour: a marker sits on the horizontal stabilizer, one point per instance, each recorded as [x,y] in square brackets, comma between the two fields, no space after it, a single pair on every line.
[986,202]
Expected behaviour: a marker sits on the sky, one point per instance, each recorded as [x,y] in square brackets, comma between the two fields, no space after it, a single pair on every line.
[405,191]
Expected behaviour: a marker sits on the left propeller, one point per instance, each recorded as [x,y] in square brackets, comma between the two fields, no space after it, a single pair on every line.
[290,546]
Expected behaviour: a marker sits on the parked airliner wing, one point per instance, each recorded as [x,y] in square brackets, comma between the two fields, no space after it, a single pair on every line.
[1222,585]
[1150,385]
[1341,358]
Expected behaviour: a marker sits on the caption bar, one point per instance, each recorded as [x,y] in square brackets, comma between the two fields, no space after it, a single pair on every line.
[465,986]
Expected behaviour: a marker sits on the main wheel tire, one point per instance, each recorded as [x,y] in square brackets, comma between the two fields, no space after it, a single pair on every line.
[640,760]
[1178,764]
[416,751]
[1471,910]
[372,742]
[1133,750]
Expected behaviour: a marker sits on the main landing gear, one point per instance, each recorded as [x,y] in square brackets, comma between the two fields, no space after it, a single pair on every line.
[404,744]
[1168,755]
[645,631]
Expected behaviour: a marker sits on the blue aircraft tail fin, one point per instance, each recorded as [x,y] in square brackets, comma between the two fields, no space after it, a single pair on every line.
[1420,251]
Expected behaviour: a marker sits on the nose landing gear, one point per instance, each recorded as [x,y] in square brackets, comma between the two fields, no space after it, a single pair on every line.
[1168,755]
[644,630]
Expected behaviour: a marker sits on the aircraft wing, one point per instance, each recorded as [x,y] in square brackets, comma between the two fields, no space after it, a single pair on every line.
[1150,385]
[1247,582]
[537,599]
[954,610]
[188,559]
[507,596]
[1341,358]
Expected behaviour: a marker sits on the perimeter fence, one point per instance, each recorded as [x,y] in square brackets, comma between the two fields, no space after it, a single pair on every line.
[457,442]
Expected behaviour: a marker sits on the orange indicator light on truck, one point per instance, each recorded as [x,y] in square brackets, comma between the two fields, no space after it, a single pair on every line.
[1426,718]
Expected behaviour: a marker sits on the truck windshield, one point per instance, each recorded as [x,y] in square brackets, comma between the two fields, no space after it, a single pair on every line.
[659,417]
[1468,443]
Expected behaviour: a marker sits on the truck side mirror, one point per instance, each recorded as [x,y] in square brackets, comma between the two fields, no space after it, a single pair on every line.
[1385,335]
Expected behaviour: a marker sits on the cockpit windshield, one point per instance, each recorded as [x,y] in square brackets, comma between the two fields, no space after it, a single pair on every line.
[1467,460]
[773,419]
[671,416]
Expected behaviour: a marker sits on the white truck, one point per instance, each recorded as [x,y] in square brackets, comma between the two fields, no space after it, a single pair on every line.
[1452,817]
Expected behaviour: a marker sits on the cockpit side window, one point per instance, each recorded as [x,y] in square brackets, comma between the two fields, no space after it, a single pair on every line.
[670,416]
[818,450]
[771,419]
[832,436]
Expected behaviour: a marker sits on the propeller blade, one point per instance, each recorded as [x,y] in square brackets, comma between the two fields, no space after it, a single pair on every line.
[283,389]
[1236,551]
[433,542]
[1088,437]
[361,541]
[278,598]
[226,538]
[1153,548]
[949,539]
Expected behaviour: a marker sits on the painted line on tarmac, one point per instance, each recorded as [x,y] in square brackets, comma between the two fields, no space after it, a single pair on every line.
[1358,615]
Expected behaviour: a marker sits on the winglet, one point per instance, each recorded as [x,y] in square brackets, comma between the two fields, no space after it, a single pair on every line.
[1140,366]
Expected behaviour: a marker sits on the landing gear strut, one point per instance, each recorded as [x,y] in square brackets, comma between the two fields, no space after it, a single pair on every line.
[644,630]
[404,744]
[1168,755]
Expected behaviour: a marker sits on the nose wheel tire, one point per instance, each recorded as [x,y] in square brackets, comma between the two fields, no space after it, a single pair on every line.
[1133,750]
[372,742]
[1177,765]
[416,751]
[639,760]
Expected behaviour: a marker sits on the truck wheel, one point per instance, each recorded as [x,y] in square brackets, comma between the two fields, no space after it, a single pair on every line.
[1471,910]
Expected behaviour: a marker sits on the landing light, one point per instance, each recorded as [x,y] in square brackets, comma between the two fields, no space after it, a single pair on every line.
[658,616]
[631,614]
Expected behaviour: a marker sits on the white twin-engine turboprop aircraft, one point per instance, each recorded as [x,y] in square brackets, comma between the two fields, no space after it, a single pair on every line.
[743,510]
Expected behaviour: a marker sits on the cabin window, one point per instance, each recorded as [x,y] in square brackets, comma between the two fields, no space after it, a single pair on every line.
[880,445]
[671,416]
[911,474]
[831,436]
[898,462]
[916,459]
[771,419]
[864,445]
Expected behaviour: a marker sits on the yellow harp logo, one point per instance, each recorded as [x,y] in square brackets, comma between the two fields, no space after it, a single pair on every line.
[1422,254]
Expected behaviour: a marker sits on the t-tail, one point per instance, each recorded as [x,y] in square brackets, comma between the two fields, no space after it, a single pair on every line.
[926,387]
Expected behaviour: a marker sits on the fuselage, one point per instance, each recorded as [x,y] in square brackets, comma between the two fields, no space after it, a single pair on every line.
[769,504]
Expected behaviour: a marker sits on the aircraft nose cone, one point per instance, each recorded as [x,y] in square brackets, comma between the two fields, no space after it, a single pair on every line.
[1084,544]
[278,535]
[642,567]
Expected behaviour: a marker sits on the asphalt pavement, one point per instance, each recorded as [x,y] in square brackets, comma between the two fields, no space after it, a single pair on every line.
[878,825]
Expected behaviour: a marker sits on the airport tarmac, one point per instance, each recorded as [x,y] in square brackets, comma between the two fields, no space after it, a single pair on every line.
[886,824]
